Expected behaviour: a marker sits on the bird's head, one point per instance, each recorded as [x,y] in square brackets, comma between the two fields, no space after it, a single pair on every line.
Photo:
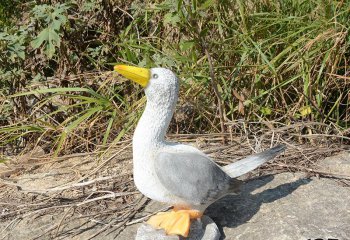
[159,83]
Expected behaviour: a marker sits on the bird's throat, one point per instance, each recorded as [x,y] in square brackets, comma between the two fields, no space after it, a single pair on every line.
[154,123]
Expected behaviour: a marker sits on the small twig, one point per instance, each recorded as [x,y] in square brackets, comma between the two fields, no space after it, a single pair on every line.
[147,216]
[216,91]
[139,206]
[8,225]
[81,184]
[320,135]
[111,195]
[142,201]
[61,221]
[103,163]
[209,151]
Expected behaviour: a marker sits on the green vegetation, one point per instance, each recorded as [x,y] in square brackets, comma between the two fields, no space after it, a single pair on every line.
[285,60]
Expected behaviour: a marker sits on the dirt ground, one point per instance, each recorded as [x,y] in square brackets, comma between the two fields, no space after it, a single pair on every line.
[92,195]
[72,194]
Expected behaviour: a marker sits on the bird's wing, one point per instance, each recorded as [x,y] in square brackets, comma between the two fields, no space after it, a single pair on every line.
[193,177]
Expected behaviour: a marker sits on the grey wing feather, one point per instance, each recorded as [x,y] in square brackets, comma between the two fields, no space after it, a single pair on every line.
[192,177]
[251,162]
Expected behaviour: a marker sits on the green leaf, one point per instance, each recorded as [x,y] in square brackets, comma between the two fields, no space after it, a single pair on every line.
[109,127]
[57,90]
[82,118]
[48,37]
[306,110]
[185,45]
[61,140]
[266,111]
[53,17]
[36,43]
[207,4]
[171,18]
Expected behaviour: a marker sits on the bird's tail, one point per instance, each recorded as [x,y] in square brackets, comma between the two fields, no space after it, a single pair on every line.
[251,162]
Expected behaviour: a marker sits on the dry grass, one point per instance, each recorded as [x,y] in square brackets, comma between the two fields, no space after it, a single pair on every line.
[95,190]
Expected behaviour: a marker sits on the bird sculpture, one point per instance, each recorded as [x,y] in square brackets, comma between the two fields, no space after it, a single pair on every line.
[173,173]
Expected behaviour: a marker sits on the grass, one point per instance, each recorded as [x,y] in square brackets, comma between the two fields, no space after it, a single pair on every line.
[284,60]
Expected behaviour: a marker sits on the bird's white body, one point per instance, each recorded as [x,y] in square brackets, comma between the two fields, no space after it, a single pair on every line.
[149,138]
[174,173]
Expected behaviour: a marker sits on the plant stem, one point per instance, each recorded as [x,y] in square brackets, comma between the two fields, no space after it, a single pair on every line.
[216,91]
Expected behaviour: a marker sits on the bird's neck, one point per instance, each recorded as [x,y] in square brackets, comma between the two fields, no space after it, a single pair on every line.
[155,120]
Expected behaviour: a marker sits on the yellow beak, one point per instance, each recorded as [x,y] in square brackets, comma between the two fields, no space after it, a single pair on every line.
[136,74]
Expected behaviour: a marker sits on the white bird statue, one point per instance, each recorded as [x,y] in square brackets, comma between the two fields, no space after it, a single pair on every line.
[175,173]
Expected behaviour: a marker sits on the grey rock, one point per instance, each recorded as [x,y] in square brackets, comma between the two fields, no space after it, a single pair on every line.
[203,229]
[285,206]
[146,232]
[339,164]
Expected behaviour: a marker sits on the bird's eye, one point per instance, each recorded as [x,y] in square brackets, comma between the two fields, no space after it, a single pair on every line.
[155,76]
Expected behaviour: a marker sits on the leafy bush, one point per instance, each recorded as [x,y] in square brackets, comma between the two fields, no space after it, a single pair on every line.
[285,60]
[53,18]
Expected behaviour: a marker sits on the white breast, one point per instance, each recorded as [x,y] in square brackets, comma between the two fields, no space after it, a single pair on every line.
[146,179]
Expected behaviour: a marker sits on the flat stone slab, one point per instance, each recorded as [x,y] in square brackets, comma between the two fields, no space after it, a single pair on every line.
[339,164]
[281,207]
[285,206]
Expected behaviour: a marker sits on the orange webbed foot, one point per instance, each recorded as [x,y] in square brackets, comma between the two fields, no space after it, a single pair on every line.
[175,222]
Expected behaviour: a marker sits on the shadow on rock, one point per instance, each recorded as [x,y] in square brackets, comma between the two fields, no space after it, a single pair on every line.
[234,210]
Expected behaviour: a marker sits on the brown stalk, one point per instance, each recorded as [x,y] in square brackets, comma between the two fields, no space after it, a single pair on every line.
[216,91]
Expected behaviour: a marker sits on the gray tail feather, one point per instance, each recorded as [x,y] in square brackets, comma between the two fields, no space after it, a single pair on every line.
[252,162]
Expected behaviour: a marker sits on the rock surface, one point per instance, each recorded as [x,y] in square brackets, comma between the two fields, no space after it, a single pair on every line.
[339,164]
[282,207]
[286,206]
